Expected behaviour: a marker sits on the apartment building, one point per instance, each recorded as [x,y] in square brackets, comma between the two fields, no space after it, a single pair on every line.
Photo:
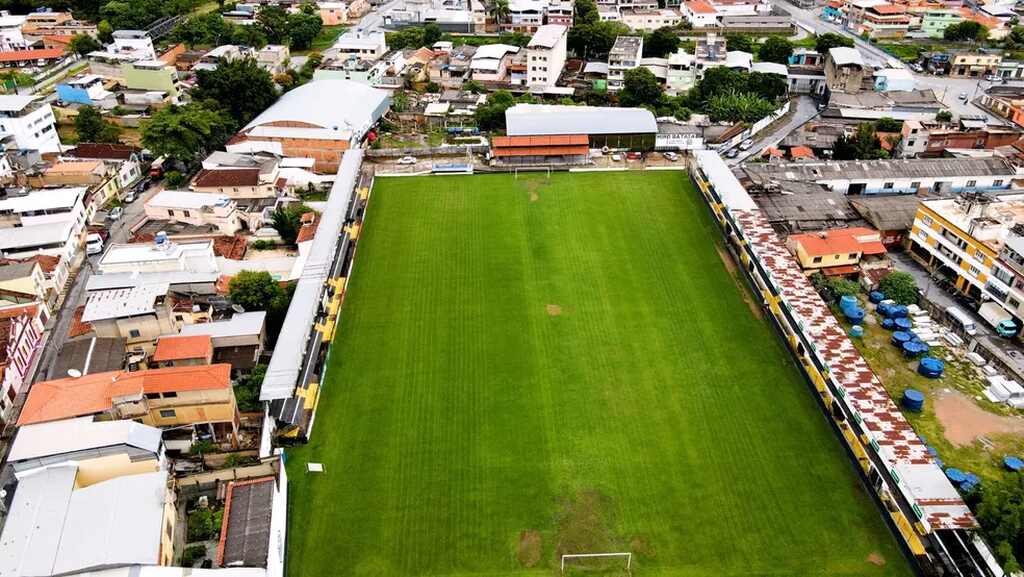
[151,75]
[650,20]
[28,123]
[201,209]
[682,72]
[134,44]
[699,13]
[11,37]
[934,22]
[933,139]
[525,16]
[625,55]
[974,65]
[45,222]
[357,44]
[878,21]
[545,56]
[845,70]
[21,336]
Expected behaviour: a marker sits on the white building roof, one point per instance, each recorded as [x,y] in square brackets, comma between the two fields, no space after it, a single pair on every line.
[547,36]
[596,68]
[81,434]
[299,132]
[332,103]
[843,55]
[896,74]
[123,302]
[548,119]
[12,21]
[12,239]
[54,528]
[738,59]
[239,325]
[187,200]
[727,185]
[107,281]
[494,51]
[770,68]
[356,40]
[44,199]
[14,102]
[149,252]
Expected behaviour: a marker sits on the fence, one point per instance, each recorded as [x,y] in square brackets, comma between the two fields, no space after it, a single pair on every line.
[754,128]
[202,482]
[430,151]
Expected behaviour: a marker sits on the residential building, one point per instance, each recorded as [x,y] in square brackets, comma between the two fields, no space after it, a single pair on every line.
[32,58]
[931,139]
[525,16]
[55,24]
[101,179]
[236,182]
[333,13]
[103,449]
[845,70]
[490,63]
[274,58]
[158,257]
[650,20]
[912,105]
[140,313]
[935,22]
[1008,106]
[223,53]
[451,67]
[941,176]
[238,341]
[974,65]
[306,122]
[1011,69]
[545,56]
[23,281]
[878,21]
[837,251]
[625,55]
[195,208]
[135,44]
[11,37]
[90,354]
[977,243]
[806,57]
[28,123]
[183,351]
[682,71]
[126,158]
[894,80]
[358,44]
[86,89]
[45,223]
[560,12]
[151,75]
[710,50]
[21,338]
[199,396]
[699,13]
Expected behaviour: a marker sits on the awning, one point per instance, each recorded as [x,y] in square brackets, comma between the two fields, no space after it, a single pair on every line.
[872,248]
[840,270]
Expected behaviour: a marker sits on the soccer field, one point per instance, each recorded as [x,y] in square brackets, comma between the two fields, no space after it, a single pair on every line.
[525,368]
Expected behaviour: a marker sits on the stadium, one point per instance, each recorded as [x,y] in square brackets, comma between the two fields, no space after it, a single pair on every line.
[533,366]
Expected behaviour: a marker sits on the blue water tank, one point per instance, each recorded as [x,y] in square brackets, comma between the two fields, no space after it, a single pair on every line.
[854,314]
[902,324]
[931,367]
[876,297]
[913,400]
[885,310]
[900,337]
[899,312]
[1013,463]
[847,301]
[856,331]
[914,348]
[955,475]
[888,324]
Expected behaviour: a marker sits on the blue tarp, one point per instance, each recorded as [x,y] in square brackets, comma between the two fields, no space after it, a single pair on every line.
[1013,463]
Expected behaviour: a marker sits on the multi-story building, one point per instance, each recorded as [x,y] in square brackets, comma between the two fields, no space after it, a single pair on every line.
[11,37]
[877,20]
[45,222]
[28,123]
[525,16]
[135,44]
[490,63]
[21,335]
[845,70]
[158,257]
[835,252]
[682,72]
[935,22]
[625,55]
[200,209]
[545,56]
[560,12]
[333,13]
[358,44]
[699,13]
[974,65]
[127,159]
[650,20]
[86,89]
[933,139]
[150,75]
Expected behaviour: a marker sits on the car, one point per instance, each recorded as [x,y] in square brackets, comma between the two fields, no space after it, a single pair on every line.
[617,157]
[733,153]
[746,144]
[115,213]
[93,244]
[963,96]
[407,160]
[671,156]
[633,155]
[130,197]
[994,78]
[142,185]
[917,67]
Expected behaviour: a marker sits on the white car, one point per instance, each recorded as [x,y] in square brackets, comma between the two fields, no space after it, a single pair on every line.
[733,153]
[671,156]
[407,160]
[746,144]
[93,244]
[116,213]
[994,78]
[617,157]
[130,197]
[963,96]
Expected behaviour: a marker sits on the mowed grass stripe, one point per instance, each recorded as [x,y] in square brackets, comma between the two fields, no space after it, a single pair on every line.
[565,362]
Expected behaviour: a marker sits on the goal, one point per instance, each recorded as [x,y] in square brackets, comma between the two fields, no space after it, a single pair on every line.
[572,556]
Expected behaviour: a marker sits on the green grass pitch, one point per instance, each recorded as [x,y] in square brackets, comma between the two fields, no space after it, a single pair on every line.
[527,367]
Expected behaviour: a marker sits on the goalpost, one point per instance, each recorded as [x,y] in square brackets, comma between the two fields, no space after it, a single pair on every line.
[628,556]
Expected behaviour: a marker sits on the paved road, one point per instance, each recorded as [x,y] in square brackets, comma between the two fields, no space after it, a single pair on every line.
[932,292]
[374,19]
[802,109]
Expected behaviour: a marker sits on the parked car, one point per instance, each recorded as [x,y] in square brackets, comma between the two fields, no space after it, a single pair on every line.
[142,185]
[633,155]
[130,197]
[407,160]
[963,96]
[115,213]
[671,156]
[994,78]
[733,153]
[917,68]
[746,144]
[617,157]
[93,244]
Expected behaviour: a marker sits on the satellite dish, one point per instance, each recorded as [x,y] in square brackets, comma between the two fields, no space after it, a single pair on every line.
[237,308]
[74,373]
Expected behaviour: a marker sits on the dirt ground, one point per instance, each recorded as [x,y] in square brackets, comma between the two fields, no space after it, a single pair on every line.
[964,421]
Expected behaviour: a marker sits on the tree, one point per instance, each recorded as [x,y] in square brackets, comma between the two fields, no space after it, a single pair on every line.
[273,21]
[254,290]
[241,87]
[472,86]
[733,106]
[776,49]
[405,38]
[595,40]
[83,44]
[288,220]
[661,42]
[900,287]
[500,11]
[825,42]
[944,116]
[1016,35]
[1001,515]
[303,28]
[91,127]
[729,84]
[965,30]
[105,32]
[887,124]
[431,34]
[185,132]
[491,116]
[740,42]
[639,88]
[864,144]
[247,391]
[585,12]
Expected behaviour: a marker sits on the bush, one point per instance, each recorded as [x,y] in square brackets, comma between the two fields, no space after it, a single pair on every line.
[202,447]
[204,524]
[174,179]
[263,245]
[900,287]
[192,554]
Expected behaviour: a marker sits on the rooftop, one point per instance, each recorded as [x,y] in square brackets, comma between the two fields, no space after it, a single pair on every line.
[315,104]
[122,303]
[840,241]
[627,46]
[103,151]
[150,252]
[547,36]
[89,355]
[16,270]
[34,54]
[227,177]
[874,169]
[43,199]
[92,394]
[700,7]
[991,227]
[179,348]
[843,56]
[187,199]
[15,102]
[550,119]
[245,529]
[81,434]
[241,324]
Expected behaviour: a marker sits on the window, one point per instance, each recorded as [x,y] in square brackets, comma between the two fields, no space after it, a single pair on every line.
[927,220]
[168,413]
[972,183]
[887,185]
[152,395]
[916,185]
[134,333]
[817,259]
[998,182]
[171,395]
[186,213]
[1013,302]
[975,271]
[853,256]
[910,143]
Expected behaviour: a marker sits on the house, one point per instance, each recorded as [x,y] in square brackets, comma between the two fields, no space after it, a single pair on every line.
[545,55]
[525,16]
[27,123]
[86,89]
[11,37]
[699,13]
[932,139]
[160,256]
[333,13]
[126,158]
[490,63]
[45,222]
[974,65]
[238,341]
[710,50]
[199,209]
[877,20]
[100,178]
[198,396]
[935,22]
[88,354]
[912,105]
[306,122]
[450,68]
[682,71]
[358,44]
[891,215]
[21,338]
[183,351]
[151,76]
[23,280]
[236,182]
[624,55]
[560,12]
[273,58]
[132,45]
[845,70]
[650,20]
[835,252]
[103,449]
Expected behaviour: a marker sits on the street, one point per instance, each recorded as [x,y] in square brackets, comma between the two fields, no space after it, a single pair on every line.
[802,109]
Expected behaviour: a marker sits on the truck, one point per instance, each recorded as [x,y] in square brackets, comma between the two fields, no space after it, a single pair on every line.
[996,316]
[156,170]
[962,320]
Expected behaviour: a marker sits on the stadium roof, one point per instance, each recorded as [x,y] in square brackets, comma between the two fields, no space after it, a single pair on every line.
[548,119]
[331,104]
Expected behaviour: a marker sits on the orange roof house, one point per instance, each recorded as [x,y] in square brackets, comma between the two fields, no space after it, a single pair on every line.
[835,251]
[184,350]
[802,153]
[137,395]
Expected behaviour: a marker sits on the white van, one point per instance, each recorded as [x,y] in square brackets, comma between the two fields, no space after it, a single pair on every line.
[963,320]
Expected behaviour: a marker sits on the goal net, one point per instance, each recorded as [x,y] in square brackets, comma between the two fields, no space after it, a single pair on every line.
[598,561]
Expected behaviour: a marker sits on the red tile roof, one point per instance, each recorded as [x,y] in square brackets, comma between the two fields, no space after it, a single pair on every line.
[840,241]
[92,394]
[840,270]
[308,229]
[227,177]
[103,151]
[179,348]
[888,9]
[801,152]
[35,54]
[700,7]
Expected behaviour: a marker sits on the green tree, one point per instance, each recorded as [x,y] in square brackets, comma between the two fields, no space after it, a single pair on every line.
[287,221]
[1001,515]
[303,28]
[733,106]
[1016,35]
[273,21]
[491,116]
[247,391]
[105,32]
[864,144]
[91,127]
[825,42]
[499,11]
[431,34]
[740,42]
[900,287]
[661,42]
[186,132]
[594,41]
[241,87]
[887,124]
[640,88]
[473,86]
[83,44]
[965,30]
[254,290]
[585,12]
[776,49]
[405,38]
[944,116]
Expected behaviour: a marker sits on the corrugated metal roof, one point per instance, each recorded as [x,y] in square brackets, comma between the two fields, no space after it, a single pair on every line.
[73,435]
[551,119]
[335,104]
